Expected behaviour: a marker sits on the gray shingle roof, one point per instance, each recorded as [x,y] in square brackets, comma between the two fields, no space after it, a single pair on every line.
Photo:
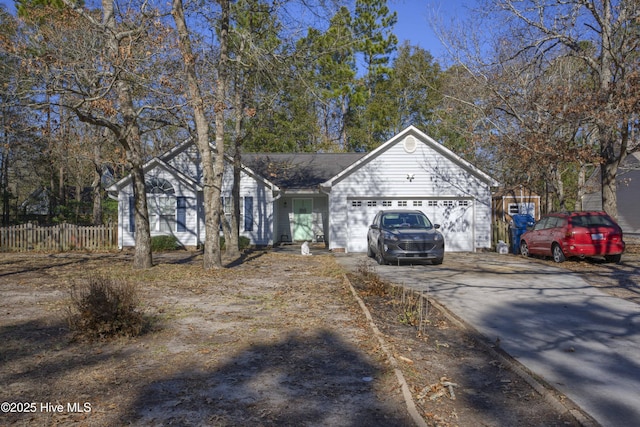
[299,170]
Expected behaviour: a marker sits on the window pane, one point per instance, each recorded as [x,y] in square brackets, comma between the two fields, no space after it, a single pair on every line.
[162,213]
[132,220]
[159,186]
[181,214]
[248,214]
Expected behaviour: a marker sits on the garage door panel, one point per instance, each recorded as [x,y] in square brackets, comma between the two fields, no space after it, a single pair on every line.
[456,224]
[360,215]
[455,217]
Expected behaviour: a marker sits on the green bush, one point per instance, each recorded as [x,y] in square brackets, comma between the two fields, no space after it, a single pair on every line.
[104,308]
[243,242]
[109,211]
[165,243]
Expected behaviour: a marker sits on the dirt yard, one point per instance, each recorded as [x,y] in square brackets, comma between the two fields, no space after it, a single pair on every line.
[277,339]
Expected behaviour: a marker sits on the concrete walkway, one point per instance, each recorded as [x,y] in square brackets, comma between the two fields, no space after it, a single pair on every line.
[581,341]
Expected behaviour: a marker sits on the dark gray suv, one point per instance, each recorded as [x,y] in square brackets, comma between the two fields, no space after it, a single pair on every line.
[396,236]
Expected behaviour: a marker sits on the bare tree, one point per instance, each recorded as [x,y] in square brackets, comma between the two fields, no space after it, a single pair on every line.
[98,81]
[221,102]
[212,166]
[603,34]
[530,38]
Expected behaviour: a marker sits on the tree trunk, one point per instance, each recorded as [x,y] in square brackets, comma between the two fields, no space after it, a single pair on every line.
[142,257]
[212,257]
[607,131]
[77,210]
[232,237]
[96,211]
[582,179]
[129,138]
[4,175]
[559,186]
[61,187]
[233,241]
[608,172]
[219,109]
[548,194]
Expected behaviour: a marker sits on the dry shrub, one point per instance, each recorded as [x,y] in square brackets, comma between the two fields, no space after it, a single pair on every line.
[104,308]
[412,306]
[367,276]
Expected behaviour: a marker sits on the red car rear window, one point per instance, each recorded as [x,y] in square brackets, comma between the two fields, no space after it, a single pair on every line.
[591,221]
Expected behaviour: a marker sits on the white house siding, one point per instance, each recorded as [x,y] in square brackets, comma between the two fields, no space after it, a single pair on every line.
[186,161]
[397,175]
[187,238]
[262,230]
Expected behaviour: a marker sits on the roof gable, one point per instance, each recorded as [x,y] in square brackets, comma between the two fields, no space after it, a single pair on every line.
[246,168]
[164,160]
[420,137]
[181,147]
[150,165]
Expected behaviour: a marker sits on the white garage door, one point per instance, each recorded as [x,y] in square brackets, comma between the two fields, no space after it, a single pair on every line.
[455,217]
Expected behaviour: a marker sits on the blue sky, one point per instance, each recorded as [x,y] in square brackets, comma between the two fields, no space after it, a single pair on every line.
[413,19]
[8,4]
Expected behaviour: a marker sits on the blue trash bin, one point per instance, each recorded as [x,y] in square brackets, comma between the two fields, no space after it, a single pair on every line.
[519,225]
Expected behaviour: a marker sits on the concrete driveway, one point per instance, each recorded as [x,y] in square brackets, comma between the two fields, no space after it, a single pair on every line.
[580,340]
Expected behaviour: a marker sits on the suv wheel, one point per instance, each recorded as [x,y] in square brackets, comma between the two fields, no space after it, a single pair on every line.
[380,255]
[558,255]
[369,251]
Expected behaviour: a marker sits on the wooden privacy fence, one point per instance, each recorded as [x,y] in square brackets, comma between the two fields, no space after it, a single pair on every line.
[61,237]
[501,231]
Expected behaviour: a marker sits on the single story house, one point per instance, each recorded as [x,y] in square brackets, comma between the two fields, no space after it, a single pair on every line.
[320,197]
[627,191]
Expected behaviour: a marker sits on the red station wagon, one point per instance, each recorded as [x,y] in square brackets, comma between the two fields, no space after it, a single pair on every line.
[574,234]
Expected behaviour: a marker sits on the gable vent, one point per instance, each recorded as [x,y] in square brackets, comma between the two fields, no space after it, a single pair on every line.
[410,144]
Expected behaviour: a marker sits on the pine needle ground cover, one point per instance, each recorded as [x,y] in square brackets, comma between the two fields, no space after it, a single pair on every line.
[277,339]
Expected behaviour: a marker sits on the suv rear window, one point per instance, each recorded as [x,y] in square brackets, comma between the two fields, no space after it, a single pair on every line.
[591,220]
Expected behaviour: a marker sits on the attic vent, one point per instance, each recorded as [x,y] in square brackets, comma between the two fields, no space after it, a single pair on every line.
[409,144]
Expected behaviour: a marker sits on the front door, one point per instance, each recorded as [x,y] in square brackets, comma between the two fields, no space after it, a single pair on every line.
[302,219]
